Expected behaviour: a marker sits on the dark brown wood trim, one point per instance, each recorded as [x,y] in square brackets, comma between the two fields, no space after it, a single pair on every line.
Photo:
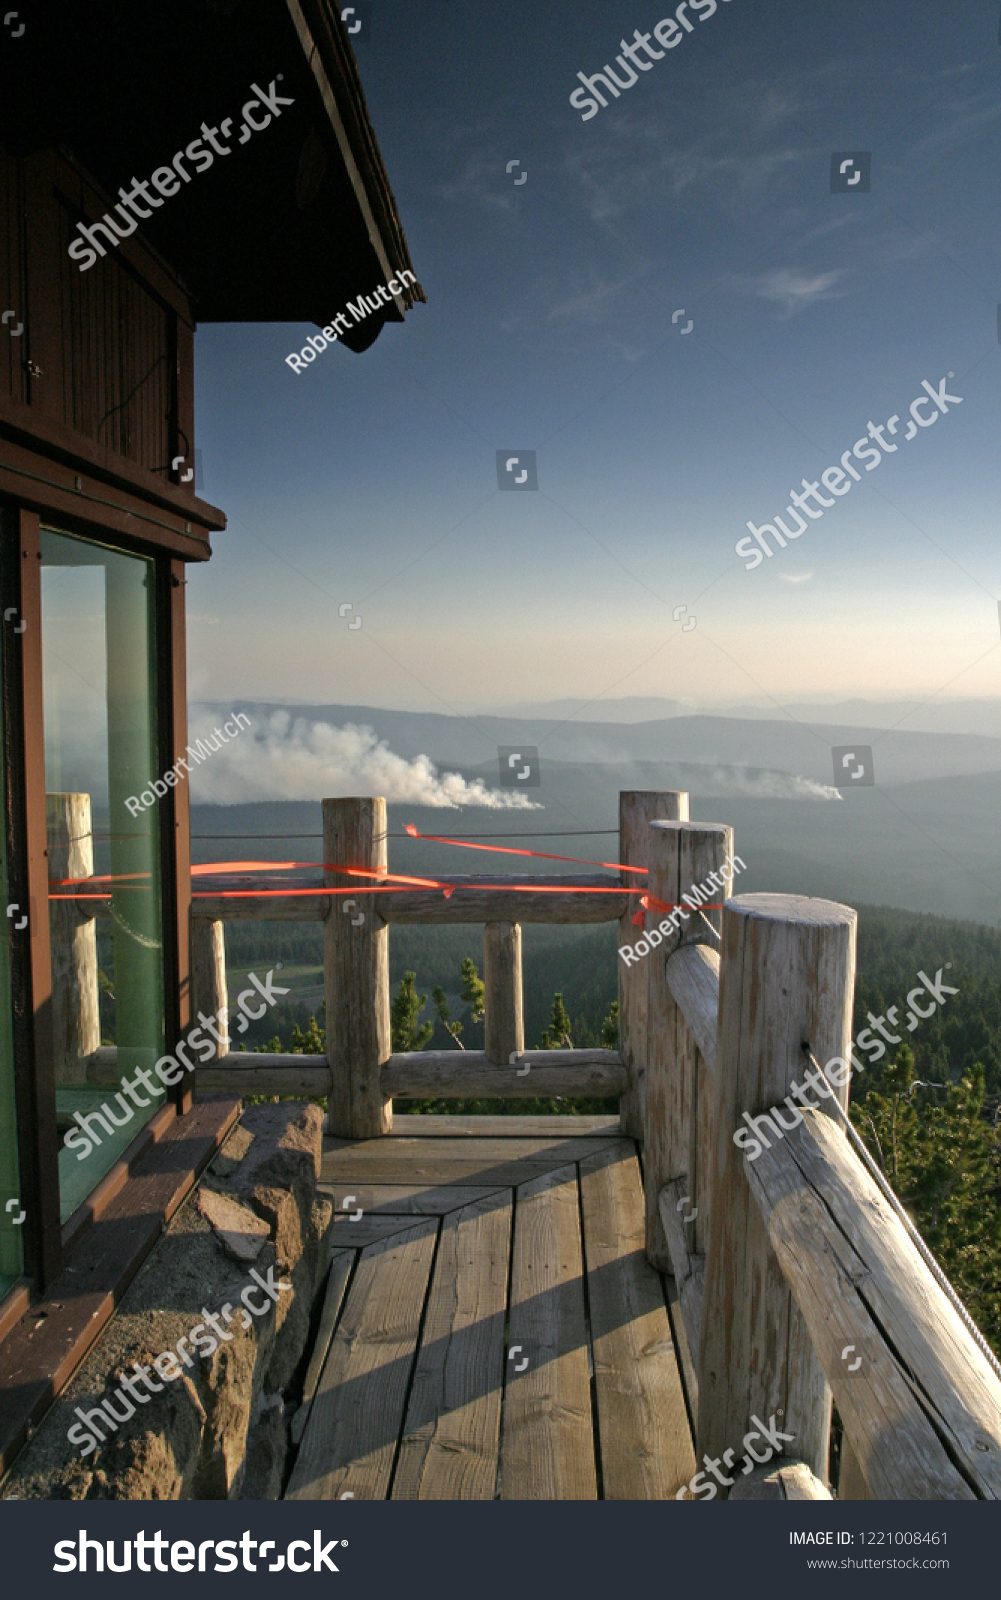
[48,1344]
[50,488]
[133,485]
[41,1090]
[184,340]
[181,797]
[13,1306]
[97,1203]
[18,941]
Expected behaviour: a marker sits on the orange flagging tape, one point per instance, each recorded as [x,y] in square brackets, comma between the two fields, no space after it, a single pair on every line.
[510,850]
[222,869]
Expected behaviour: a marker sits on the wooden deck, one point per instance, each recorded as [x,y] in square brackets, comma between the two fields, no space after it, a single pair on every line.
[491,1328]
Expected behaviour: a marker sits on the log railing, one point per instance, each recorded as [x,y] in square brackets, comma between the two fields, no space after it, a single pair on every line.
[795,1276]
[781,1264]
[360,1073]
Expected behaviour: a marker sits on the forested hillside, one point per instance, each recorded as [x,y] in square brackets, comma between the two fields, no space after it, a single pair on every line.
[580,963]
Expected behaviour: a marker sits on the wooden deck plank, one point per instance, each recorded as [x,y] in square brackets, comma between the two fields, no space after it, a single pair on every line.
[350,1438]
[415,1125]
[451,1438]
[493,1163]
[548,1439]
[348,1235]
[337,1281]
[646,1442]
[408,1199]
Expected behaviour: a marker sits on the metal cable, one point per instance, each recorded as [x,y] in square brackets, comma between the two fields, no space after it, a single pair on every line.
[574,833]
[923,1251]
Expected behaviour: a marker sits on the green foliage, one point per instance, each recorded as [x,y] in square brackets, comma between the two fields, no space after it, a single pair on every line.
[610,1028]
[405,1032]
[938,1145]
[892,947]
[557,1035]
[473,990]
[448,1022]
[311,1043]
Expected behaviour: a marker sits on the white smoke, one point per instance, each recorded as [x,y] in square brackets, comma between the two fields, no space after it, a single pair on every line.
[277,758]
[752,783]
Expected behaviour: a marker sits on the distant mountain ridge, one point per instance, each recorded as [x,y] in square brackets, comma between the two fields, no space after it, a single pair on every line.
[918,716]
[800,748]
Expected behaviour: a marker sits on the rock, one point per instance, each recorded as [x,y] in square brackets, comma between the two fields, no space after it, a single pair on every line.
[218,1431]
[226,1162]
[267,1449]
[242,1233]
[294,1311]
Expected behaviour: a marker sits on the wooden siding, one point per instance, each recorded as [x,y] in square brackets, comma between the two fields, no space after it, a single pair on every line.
[103,352]
[117,357]
[13,349]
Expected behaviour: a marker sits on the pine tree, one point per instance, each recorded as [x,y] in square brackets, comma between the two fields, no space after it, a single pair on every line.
[557,1035]
[938,1145]
[450,1024]
[310,1043]
[473,988]
[610,1028]
[404,1032]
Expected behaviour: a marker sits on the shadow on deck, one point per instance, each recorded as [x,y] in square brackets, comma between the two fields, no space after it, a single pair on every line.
[492,1329]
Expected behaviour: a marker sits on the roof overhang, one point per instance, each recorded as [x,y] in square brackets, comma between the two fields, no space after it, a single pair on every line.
[293,222]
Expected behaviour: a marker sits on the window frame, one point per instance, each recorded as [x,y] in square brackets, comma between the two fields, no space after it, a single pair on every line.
[47,1242]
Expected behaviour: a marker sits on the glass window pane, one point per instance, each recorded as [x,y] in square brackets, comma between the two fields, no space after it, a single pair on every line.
[101,755]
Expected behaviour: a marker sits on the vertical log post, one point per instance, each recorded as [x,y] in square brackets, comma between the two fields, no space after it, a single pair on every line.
[682,857]
[209,990]
[786,976]
[76,1023]
[503,1004]
[356,971]
[637,809]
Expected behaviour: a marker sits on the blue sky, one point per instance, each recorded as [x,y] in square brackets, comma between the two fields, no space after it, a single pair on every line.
[370,479]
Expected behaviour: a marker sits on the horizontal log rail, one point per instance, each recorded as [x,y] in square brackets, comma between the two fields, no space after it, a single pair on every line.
[470,899]
[427,1074]
[550,899]
[255,1072]
[922,1409]
[594,897]
[454,1074]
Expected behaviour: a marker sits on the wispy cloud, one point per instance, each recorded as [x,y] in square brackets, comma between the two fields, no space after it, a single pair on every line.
[794,291]
[795,577]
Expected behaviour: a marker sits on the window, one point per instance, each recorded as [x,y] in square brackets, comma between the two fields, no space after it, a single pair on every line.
[103,824]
